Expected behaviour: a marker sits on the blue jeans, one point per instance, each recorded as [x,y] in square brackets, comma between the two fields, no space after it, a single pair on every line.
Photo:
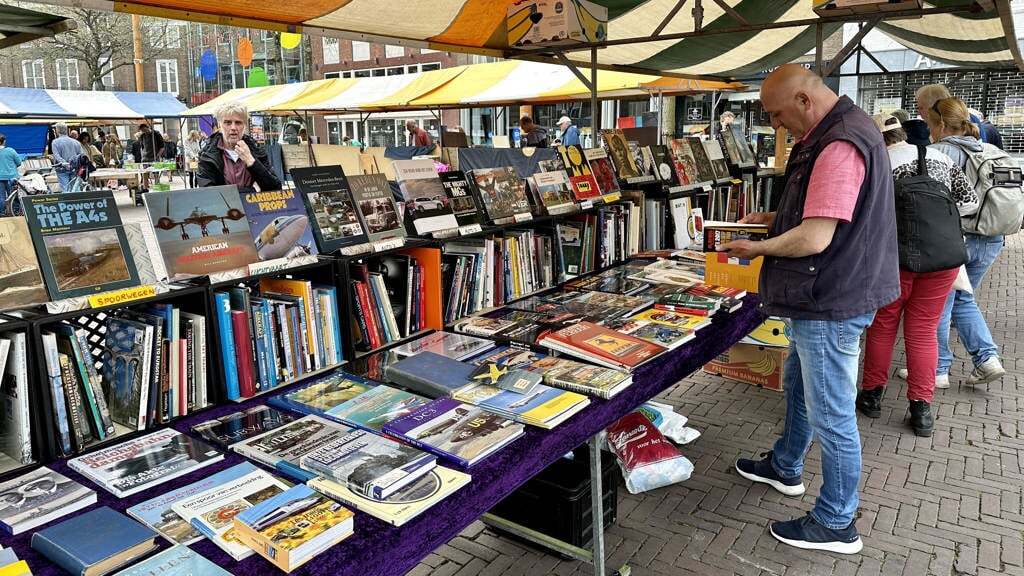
[963,311]
[820,380]
[64,178]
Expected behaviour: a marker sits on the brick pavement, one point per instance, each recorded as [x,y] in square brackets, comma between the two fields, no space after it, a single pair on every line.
[946,505]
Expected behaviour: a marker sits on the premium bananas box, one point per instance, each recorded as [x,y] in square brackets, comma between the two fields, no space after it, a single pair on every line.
[757,365]
[541,23]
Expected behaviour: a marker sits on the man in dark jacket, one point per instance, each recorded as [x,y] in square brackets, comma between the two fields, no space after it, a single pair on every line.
[232,156]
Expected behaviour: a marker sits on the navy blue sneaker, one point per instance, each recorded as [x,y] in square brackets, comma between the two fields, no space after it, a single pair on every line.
[808,534]
[762,471]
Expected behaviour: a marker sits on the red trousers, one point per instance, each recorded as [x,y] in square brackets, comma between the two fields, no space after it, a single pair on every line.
[922,297]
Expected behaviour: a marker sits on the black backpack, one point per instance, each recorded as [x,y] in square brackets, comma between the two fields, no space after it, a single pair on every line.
[927,223]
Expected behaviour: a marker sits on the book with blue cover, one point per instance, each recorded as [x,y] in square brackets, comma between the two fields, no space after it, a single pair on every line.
[322,393]
[373,408]
[430,374]
[175,561]
[95,542]
[544,407]
[279,224]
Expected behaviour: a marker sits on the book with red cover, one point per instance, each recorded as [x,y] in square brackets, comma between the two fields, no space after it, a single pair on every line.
[601,345]
[243,351]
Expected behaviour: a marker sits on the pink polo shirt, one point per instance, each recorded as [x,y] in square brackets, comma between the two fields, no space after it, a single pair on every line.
[835,182]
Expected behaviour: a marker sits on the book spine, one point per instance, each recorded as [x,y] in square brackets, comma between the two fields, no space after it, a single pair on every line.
[202,390]
[83,377]
[288,369]
[227,345]
[183,371]
[379,300]
[300,358]
[375,333]
[163,378]
[75,408]
[189,365]
[57,553]
[81,342]
[270,344]
[16,409]
[360,327]
[57,392]
[259,338]
[243,353]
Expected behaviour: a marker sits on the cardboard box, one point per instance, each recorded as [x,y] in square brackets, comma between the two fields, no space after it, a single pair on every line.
[720,269]
[757,365]
[539,23]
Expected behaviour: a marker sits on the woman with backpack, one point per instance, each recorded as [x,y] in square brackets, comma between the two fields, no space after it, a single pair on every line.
[926,271]
[954,134]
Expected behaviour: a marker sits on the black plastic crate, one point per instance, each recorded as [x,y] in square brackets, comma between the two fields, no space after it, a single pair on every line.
[556,502]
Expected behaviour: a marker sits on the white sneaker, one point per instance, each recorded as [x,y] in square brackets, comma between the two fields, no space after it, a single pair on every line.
[987,371]
[941,380]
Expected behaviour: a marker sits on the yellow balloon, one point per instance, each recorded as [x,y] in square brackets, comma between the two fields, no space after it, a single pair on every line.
[290,40]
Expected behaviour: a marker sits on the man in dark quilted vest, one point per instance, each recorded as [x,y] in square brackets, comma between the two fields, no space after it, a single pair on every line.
[830,261]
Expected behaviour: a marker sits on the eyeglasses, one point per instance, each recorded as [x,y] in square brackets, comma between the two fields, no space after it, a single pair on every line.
[935,107]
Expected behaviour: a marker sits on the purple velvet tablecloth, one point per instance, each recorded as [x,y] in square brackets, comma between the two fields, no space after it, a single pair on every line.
[378,548]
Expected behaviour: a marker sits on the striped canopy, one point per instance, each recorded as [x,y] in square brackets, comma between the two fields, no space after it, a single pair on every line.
[736,38]
[488,84]
[51,104]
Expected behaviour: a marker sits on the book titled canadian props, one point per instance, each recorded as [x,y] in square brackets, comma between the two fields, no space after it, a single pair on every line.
[146,461]
[377,208]
[35,498]
[601,345]
[80,244]
[292,527]
[20,281]
[328,199]
[424,194]
[201,231]
[279,224]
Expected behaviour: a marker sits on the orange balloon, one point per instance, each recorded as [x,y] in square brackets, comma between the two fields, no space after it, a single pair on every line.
[244,52]
[290,40]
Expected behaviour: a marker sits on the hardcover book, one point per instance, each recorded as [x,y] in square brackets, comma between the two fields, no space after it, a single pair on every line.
[602,169]
[15,430]
[371,409]
[425,198]
[80,244]
[430,374]
[618,149]
[239,426]
[737,147]
[703,162]
[463,204]
[95,543]
[175,561]
[283,447]
[279,224]
[686,164]
[42,495]
[673,319]
[581,377]
[554,191]
[292,527]
[372,465]
[668,336]
[322,393]
[377,208]
[144,462]
[664,165]
[450,344]
[717,158]
[580,177]
[544,407]
[211,511]
[601,345]
[329,203]
[201,231]
[406,503]
[127,357]
[158,512]
[502,192]
[20,281]
[454,430]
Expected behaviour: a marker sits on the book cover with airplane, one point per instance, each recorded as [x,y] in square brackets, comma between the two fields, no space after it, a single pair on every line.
[373,408]
[279,224]
[202,230]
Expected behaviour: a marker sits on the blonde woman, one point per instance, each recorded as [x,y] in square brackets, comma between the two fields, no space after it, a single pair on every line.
[113,151]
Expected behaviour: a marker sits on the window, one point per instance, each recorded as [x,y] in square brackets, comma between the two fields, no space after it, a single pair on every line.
[396,70]
[331,55]
[360,50]
[393,51]
[346,74]
[32,72]
[167,76]
[427,67]
[412,69]
[164,35]
[361,74]
[67,74]
[378,72]
[108,80]
[329,75]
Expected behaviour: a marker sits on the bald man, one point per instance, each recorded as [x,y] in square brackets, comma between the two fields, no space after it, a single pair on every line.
[830,262]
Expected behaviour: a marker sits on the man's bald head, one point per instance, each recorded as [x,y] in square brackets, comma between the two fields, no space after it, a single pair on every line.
[796,98]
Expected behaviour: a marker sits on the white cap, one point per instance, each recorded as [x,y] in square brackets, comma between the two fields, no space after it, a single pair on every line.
[563,120]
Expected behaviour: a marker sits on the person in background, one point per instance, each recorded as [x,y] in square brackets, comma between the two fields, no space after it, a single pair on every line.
[303,136]
[532,135]
[89,149]
[350,141]
[830,263]
[73,134]
[922,295]
[955,135]
[151,143]
[170,155]
[232,156]
[112,151]
[64,149]
[192,147]
[988,129]
[725,119]
[569,134]
[418,136]
[915,128]
[928,94]
[9,162]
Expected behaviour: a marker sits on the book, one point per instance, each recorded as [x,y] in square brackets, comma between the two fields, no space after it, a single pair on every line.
[618,149]
[430,374]
[686,164]
[554,191]
[717,158]
[77,345]
[601,345]
[226,337]
[55,384]
[450,344]
[292,527]
[143,462]
[15,427]
[736,145]
[39,496]
[581,377]
[376,206]
[601,168]
[502,193]
[322,393]
[95,542]
[21,283]
[76,408]
[211,511]
[14,567]
[201,231]
[673,319]
[328,198]
[454,430]
[279,224]
[425,197]
[372,465]
[406,503]
[663,335]
[127,361]
[582,180]
[80,244]
[717,233]
[283,447]
[705,170]
[664,165]
[544,407]
[239,426]
[175,561]
[371,409]
[467,213]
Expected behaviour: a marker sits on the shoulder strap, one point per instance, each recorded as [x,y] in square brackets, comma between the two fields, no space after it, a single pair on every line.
[922,170]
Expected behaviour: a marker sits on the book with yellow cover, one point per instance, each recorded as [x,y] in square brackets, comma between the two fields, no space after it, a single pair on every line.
[674,319]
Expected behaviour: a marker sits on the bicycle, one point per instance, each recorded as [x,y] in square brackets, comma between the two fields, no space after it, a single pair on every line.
[27,185]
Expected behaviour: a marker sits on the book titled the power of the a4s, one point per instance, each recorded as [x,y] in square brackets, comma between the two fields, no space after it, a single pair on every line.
[139,463]
[80,243]
[95,543]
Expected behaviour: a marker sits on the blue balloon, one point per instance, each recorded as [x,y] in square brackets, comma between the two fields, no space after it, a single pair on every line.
[208,65]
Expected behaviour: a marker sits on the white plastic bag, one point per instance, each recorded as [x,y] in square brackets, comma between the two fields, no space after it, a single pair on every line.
[669,423]
[647,459]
